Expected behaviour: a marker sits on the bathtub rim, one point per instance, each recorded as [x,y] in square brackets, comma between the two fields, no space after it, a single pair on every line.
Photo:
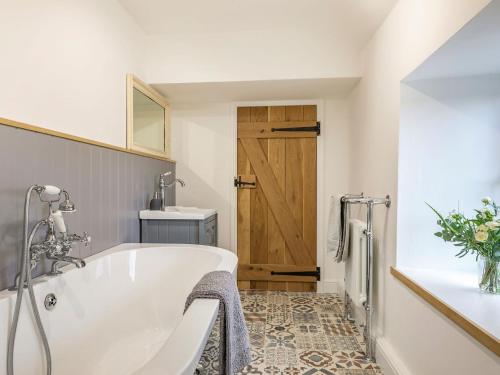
[228,262]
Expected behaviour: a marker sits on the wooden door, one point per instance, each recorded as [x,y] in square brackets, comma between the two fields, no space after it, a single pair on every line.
[276,224]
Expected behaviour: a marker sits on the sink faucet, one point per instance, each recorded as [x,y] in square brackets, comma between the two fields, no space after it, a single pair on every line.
[164,185]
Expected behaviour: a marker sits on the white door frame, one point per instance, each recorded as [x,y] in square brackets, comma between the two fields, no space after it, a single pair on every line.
[321,225]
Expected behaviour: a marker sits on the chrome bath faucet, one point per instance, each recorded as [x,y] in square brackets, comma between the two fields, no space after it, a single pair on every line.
[56,246]
[58,243]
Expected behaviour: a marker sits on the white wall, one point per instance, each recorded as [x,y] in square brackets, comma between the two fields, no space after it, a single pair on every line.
[63,65]
[448,157]
[422,341]
[334,174]
[203,143]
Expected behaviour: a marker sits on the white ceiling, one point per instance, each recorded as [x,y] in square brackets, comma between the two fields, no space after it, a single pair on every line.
[290,89]
[356,20]
[312,42]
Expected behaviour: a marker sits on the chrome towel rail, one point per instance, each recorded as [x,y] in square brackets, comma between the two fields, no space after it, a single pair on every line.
[370,202]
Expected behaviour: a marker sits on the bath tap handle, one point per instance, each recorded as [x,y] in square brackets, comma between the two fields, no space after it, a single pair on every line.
[85,238]
[162,178]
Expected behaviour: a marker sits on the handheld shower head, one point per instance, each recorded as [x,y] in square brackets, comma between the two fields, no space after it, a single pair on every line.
[67,206]
[51,190]
[58,221]
[47,192]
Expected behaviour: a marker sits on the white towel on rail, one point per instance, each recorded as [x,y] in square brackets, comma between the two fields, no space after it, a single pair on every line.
[356,267]
[333,230]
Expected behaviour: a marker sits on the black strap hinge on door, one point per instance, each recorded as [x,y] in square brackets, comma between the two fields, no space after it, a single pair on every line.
[316,273]
[316,129]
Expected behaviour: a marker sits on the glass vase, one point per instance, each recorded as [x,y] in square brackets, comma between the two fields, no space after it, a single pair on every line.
[489,275]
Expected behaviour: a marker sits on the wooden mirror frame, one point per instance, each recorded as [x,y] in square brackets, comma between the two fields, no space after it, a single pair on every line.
[135,83]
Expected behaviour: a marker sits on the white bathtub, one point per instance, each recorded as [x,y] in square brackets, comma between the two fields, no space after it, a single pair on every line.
[120,315]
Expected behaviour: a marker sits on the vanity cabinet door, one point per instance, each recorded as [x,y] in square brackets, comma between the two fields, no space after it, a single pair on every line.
[203,232]
[169,231]
[208,231]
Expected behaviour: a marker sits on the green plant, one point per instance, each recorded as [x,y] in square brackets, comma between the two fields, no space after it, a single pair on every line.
[479,235]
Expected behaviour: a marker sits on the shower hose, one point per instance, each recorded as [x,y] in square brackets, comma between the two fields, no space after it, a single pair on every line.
[26,280]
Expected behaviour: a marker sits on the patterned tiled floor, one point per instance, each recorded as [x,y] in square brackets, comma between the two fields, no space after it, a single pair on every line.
[297,333]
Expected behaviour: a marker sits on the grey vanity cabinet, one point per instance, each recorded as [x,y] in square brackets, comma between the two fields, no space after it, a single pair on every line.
[203,232]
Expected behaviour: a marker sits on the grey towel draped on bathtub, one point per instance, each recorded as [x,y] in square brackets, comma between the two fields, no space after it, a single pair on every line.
[234,345]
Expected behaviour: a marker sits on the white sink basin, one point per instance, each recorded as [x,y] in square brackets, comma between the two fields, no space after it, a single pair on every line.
[178,213]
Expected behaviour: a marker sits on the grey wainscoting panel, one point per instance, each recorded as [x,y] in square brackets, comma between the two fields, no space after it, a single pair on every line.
[109,188]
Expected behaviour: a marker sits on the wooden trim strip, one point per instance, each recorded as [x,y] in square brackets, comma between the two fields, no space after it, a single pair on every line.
[135,83]
[147,90]
[484,337]
[54,133]
[262,272]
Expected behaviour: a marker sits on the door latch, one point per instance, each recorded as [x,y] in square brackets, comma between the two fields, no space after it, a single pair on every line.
[245,182]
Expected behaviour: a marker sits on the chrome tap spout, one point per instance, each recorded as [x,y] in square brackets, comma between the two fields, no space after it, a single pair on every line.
[179,180]
[60,260]
[163,186]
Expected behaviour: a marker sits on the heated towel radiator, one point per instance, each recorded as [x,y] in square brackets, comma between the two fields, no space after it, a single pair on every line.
[370,202]
[355,265]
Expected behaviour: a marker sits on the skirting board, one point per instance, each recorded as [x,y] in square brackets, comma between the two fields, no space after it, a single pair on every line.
[387,359]
[328,286]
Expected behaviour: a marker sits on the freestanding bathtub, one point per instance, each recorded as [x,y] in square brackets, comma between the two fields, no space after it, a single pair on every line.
[122,314]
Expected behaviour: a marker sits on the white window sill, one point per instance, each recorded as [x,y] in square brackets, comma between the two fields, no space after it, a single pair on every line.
[457,296]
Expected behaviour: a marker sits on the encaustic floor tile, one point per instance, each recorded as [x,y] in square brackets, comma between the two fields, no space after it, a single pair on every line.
[296,333]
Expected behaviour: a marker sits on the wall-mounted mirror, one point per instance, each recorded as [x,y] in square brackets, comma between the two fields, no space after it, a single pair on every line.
[148,116]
